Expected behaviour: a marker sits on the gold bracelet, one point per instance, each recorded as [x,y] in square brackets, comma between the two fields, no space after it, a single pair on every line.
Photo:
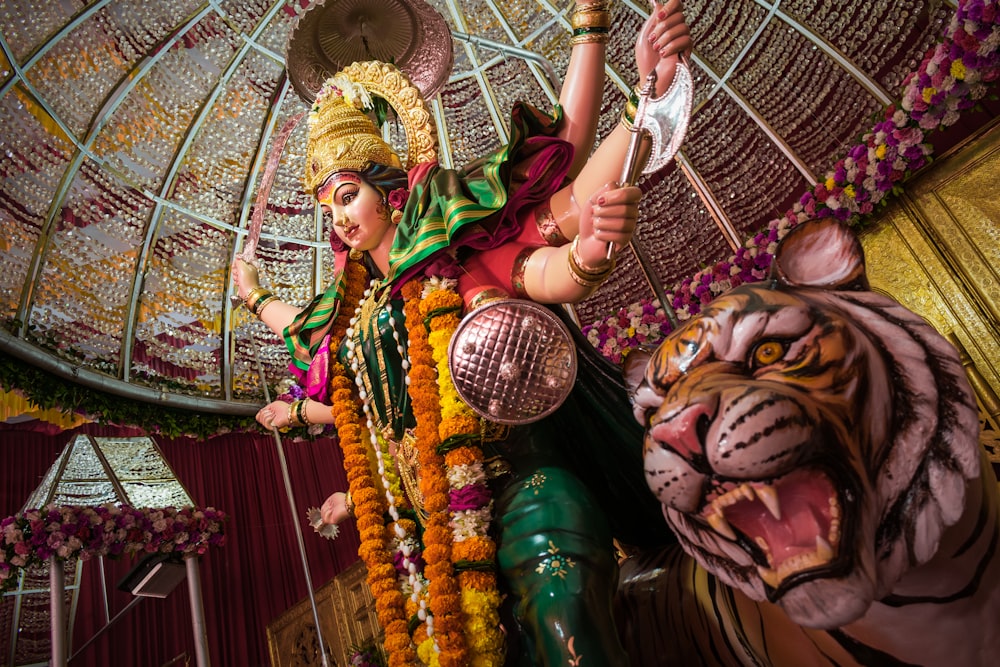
[254,296]
[262,303]
[485,296]
[349,504]
[291,415]
[574,252]
[591,23]
[300,412]
[631,107]
[586,277]
[589,38]
[627,122]
[591,14]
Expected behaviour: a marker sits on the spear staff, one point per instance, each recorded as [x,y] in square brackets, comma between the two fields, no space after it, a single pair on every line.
[248,255]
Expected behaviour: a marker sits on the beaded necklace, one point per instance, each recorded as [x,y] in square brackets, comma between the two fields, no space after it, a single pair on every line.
[365,314]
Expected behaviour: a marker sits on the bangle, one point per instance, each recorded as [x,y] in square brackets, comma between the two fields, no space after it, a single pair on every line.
[574,252]
[586,276]
[255,297]
[590,23]
[296,413]
[261,304]
[631,108]
[627,121]
[349,504]
[589,36]
[300,412]
[485,296]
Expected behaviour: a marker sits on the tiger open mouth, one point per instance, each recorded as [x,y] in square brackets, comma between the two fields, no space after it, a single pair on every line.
[793,521]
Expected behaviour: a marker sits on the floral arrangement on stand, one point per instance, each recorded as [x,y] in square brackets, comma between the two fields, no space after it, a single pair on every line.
[65,532]
[950,79]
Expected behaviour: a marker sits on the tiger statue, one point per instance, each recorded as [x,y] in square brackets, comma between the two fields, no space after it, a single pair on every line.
[815,449]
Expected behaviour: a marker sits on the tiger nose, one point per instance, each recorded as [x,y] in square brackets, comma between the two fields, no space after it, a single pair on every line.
[685,431]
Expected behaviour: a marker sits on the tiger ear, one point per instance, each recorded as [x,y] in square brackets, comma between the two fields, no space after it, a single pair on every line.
[820,253]
[634,366]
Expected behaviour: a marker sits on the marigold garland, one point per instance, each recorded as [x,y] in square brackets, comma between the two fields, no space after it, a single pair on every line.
[461,625]
[390,605]
[446,610]
[469,537]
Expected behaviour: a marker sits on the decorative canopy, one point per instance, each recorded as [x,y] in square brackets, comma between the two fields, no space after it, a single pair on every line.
[135,134]
[94,471]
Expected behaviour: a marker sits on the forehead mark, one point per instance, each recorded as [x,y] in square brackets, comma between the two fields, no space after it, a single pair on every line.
[328,190]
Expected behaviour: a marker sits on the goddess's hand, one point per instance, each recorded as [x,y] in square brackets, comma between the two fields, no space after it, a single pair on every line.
[610,218]
[334,509]
[274,415]
[246,277]
[664,35]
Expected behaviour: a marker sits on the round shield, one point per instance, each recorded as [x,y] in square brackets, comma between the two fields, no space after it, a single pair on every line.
[512,361]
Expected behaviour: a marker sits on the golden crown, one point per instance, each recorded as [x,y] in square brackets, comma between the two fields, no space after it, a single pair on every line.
[343,137]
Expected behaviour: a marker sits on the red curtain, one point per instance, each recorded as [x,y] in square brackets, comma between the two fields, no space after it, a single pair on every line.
[247,583]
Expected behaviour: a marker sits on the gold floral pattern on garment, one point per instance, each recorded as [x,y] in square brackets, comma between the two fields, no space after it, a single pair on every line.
[555,564]
[536,482]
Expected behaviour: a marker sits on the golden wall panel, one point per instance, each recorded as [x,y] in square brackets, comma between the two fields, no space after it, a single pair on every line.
[347,619]
[959,203]
[937,250]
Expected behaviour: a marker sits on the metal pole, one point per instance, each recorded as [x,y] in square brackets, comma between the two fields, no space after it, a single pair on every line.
[57,612]
[202,658]
[292,506]
[646,266]
[133,602]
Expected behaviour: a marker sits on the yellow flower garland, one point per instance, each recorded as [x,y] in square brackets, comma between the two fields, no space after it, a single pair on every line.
[480,599]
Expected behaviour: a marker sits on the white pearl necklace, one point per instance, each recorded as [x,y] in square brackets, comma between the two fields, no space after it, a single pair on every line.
[358,367]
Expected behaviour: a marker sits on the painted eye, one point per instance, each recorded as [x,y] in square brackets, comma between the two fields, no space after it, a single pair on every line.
[768,352]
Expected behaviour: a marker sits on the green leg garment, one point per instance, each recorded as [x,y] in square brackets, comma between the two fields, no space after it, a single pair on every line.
[556,553]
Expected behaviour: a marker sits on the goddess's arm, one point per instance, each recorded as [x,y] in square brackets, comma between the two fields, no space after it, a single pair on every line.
[583,87]
[663,36]
[569,273]
[276,315]
[273,312]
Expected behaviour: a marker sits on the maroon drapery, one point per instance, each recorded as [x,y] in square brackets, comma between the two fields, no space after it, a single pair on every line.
[246,584]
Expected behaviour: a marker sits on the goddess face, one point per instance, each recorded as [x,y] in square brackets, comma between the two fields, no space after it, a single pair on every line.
[360,216]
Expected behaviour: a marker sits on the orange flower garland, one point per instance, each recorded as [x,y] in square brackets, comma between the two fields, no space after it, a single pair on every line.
[461,626]
[480,598]
[445,599]
[369,504]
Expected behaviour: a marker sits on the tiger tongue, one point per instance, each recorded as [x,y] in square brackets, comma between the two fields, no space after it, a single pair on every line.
[805,525]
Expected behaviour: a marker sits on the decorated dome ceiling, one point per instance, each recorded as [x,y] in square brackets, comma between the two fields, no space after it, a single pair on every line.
[135,134]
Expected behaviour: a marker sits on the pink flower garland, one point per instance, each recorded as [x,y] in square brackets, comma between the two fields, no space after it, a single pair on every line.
[952,76]
[32,537]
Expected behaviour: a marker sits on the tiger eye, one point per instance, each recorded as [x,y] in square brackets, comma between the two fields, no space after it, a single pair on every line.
[768,352]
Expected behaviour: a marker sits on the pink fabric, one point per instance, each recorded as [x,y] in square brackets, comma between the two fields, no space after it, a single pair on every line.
[317,379]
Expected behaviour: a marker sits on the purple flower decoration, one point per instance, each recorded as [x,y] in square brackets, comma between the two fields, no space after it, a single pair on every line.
[469,497]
